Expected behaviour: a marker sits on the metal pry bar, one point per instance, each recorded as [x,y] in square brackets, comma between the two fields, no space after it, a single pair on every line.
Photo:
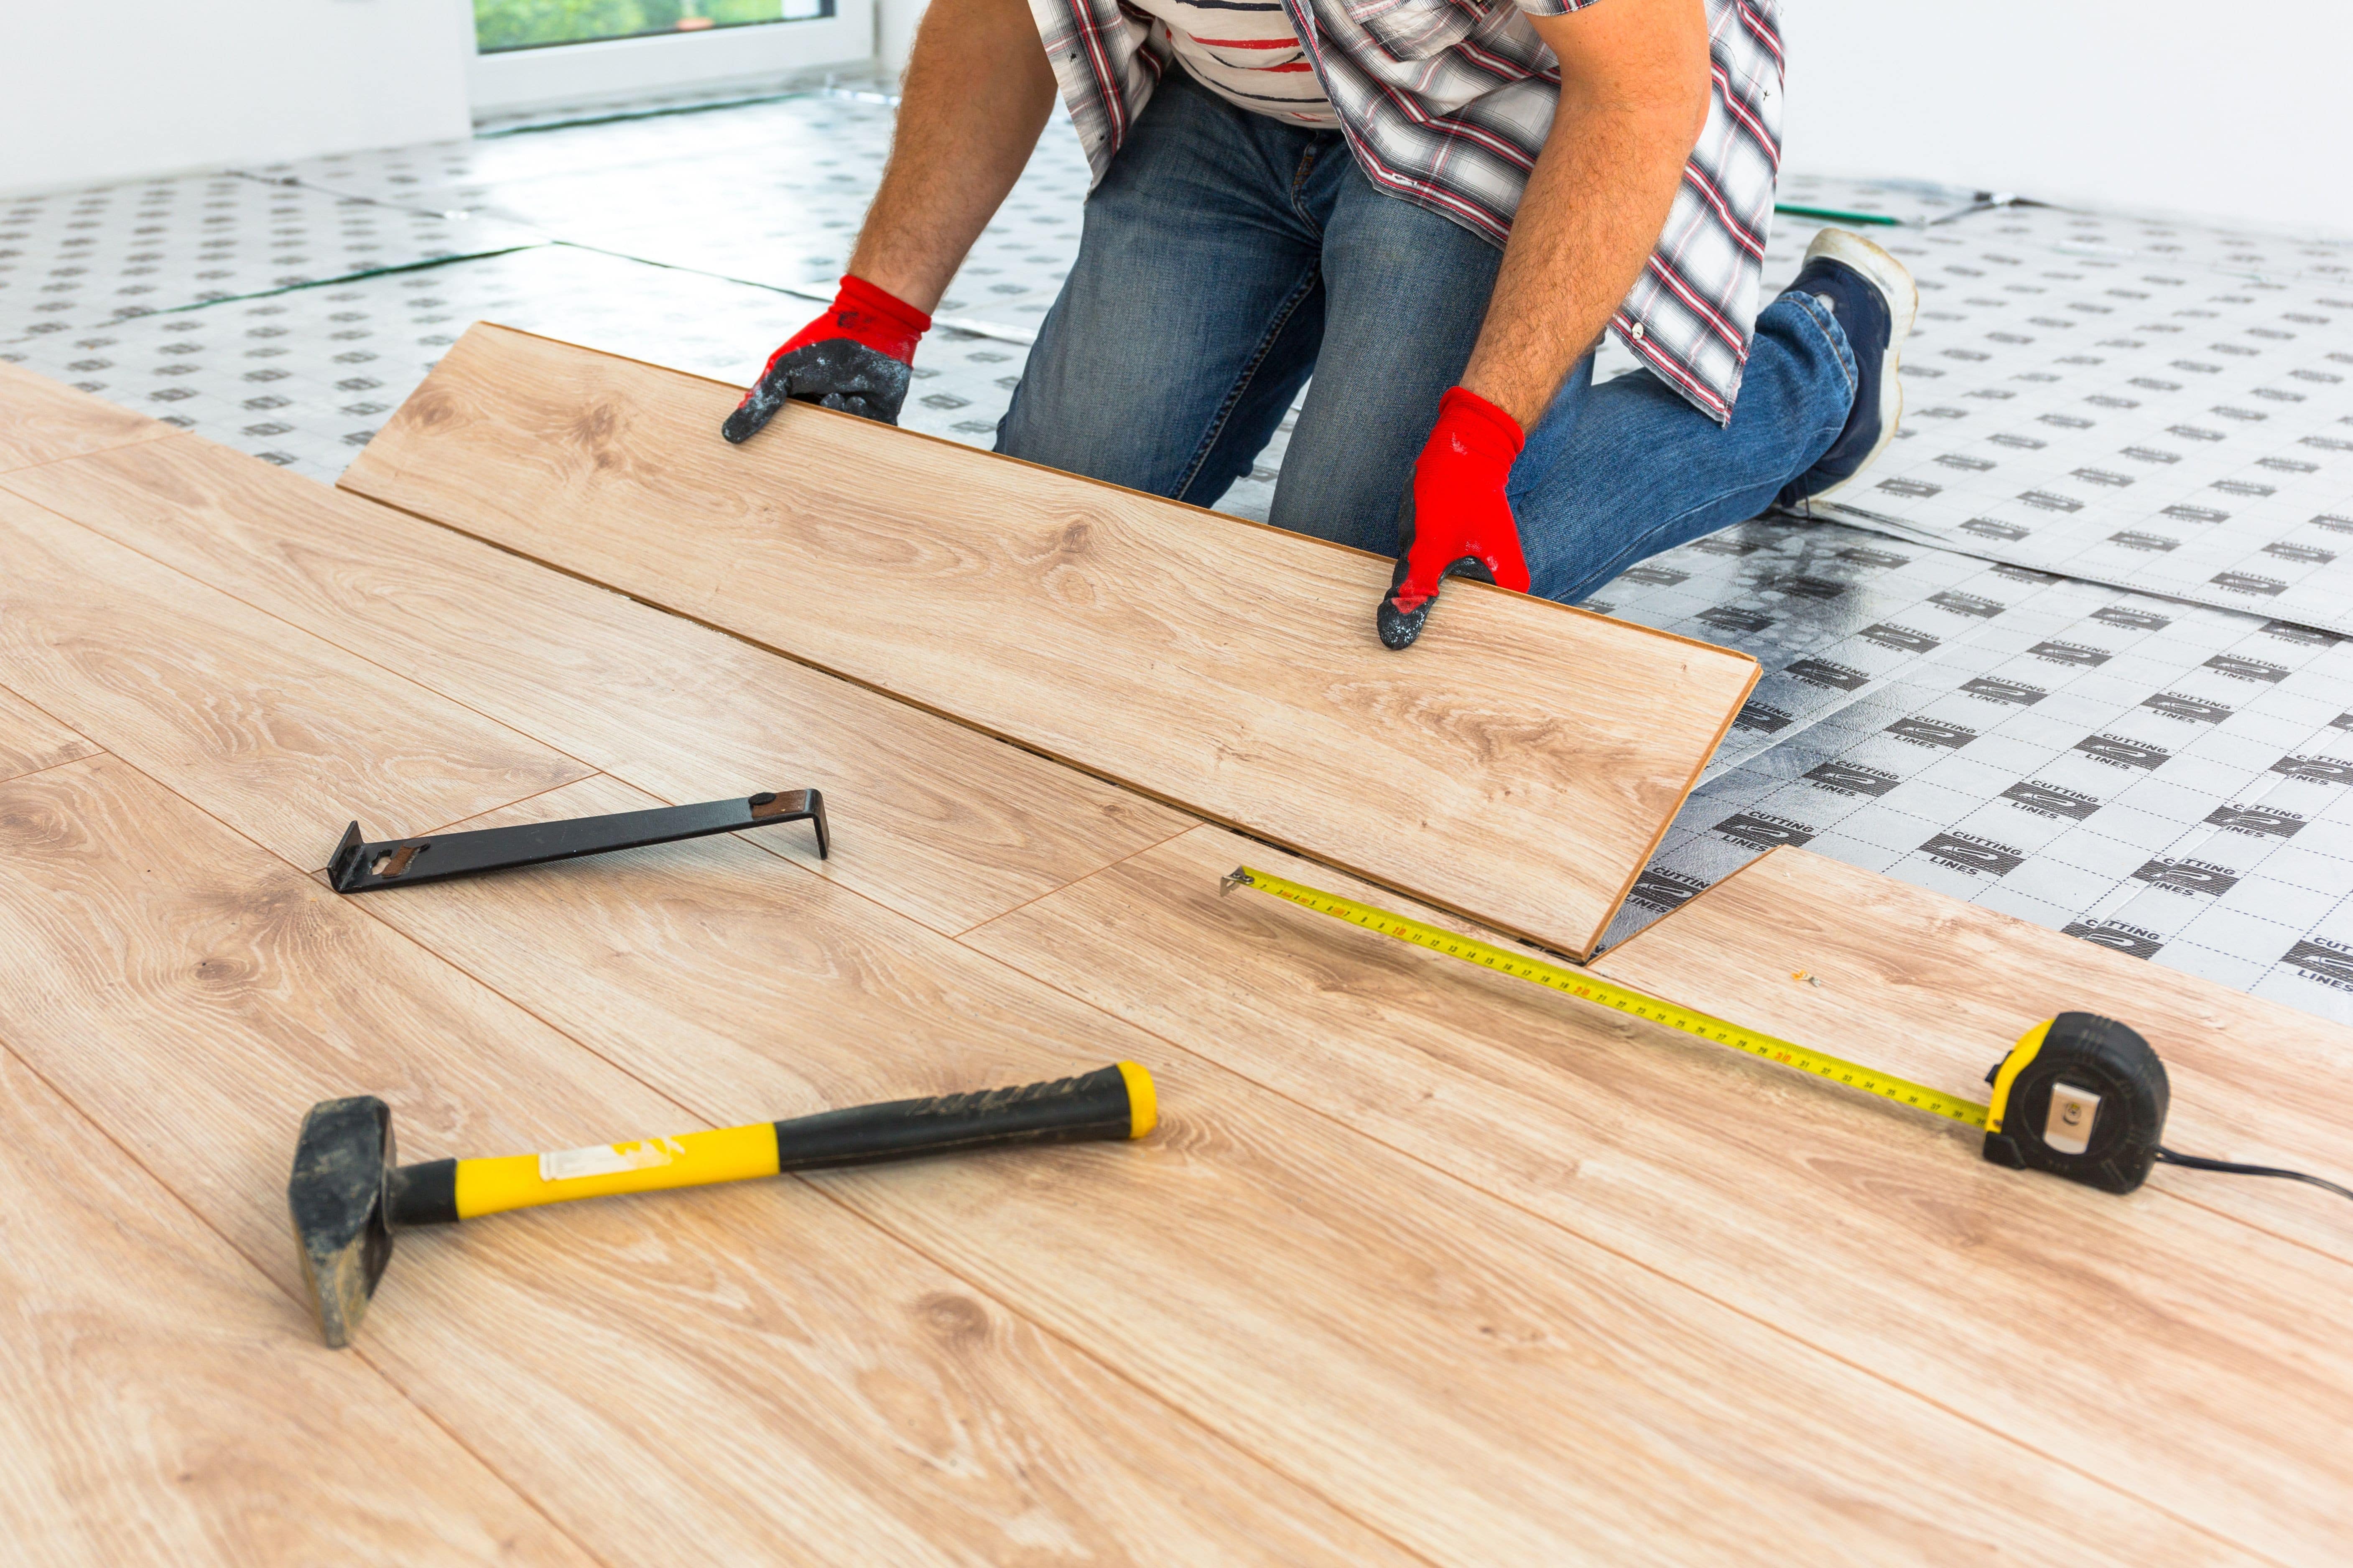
[359,866]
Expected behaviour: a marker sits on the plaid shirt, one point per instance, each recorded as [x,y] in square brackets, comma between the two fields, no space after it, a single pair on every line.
[1447,102]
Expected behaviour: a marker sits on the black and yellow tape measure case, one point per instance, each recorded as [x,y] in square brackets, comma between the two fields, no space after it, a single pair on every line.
[2082,1097]
[2079,1096]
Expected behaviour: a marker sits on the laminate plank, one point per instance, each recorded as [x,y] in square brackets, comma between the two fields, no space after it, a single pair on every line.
[279,733]
[1938,991]
[1474,1380]
[30,740]
[933,819]
[162,1408]
[41,421]
[1518,764]
[740,1374]
[2163,1348]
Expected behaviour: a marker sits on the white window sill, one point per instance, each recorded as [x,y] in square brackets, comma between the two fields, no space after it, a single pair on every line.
[621,68]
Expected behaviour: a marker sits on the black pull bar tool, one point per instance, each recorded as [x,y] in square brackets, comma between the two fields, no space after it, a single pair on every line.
[359,866]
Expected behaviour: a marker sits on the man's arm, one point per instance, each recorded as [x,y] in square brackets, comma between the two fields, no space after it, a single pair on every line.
[1634,95]
[978,89]
[977,93]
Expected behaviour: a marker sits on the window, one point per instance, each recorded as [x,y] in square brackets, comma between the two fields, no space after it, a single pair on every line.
[539,55]
[503,25]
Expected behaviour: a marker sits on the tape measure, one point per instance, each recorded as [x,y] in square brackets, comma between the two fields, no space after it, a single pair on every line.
[2082,1097]
[2079,1096]
[1592,988]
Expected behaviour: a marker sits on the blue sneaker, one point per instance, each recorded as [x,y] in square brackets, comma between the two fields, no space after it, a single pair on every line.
[1876,302]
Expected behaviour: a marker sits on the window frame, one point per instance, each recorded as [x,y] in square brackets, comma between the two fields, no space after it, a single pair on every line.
[615,70]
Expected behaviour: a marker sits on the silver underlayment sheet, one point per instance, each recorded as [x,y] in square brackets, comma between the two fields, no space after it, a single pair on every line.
[77,260]
[2171,779]
[2154,426]
[1963,691]
[2075,649]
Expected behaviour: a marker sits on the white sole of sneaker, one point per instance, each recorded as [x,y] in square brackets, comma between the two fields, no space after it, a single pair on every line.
[1893,280]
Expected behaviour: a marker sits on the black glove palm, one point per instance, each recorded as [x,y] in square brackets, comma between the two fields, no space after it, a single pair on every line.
[835,373]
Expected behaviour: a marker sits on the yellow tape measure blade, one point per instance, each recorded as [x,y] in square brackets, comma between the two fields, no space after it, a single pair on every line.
[1589,987]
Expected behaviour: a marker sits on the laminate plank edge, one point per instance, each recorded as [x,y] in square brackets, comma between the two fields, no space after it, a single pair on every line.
[42,420]
[1519,764]
[30,740]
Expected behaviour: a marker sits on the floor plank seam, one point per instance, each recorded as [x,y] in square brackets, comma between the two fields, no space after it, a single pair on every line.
[655,1090]
[1656,1272]
[96,749]
[204,1222]
[94,753]
[318,876]
[665,609]
[2262,1230]
[297,627]
[529,1500]
[786,654]
[75,457]
[451,825]
[1108,865]
[1160,1397]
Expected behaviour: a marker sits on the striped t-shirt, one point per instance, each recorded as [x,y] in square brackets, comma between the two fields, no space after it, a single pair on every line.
[1447,103]
[1245,51]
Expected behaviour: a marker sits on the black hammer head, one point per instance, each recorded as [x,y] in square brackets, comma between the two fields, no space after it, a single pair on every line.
[339,1195]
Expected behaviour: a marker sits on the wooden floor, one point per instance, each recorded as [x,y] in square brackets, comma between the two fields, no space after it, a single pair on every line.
[1425,1264]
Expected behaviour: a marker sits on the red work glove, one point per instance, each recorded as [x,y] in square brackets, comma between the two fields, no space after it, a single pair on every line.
[856,357]
[1455,521]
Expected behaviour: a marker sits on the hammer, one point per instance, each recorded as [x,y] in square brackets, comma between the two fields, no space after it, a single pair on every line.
[349,1198]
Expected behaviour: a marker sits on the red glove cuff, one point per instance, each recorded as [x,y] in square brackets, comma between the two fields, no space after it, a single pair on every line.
[880,320]
[1471,427]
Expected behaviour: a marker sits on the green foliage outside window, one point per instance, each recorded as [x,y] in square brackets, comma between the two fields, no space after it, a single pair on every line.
[526,24]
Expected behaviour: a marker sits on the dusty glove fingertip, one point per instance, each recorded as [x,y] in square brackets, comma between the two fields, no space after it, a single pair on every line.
[1398,628]
[752,415]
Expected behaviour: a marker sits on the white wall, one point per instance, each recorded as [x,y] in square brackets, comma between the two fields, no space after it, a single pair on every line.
[895,31]
[2231,110]
[2234,112]
[101,89]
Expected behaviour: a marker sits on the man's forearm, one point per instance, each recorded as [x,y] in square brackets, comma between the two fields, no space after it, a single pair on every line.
[1631,106]
[978,92]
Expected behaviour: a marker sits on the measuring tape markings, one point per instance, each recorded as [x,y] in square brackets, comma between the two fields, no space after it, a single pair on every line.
[1587,988]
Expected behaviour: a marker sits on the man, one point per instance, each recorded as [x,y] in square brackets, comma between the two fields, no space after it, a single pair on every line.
[1437,207]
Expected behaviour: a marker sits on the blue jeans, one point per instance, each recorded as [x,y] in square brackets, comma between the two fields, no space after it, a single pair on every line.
[1226,256]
